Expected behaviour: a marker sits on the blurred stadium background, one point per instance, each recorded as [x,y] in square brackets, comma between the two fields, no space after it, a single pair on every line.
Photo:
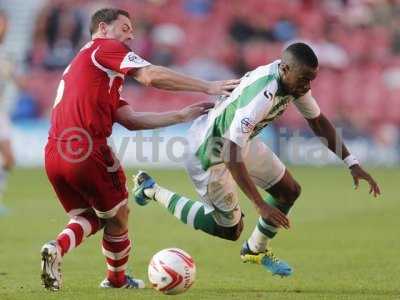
[357,42]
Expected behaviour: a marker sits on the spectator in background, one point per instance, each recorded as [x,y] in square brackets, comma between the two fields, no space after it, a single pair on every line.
[284,30]
[243,31]
[395,29]
[60,27]
[144,44]
[208,64]
[385,148]
[7,90]
[348,35]
[198,7]
[167,39]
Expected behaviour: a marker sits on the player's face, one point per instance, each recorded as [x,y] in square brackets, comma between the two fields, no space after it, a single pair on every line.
[121,29]
[297,80]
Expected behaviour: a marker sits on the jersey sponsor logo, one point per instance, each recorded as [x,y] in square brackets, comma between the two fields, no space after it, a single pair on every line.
[268,95]
[247,125]
[135,58]
[131,60]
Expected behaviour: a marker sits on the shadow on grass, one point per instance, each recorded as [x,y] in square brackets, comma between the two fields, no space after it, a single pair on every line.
[339,291]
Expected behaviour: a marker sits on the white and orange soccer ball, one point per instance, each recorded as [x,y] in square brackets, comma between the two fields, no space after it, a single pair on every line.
[172,271]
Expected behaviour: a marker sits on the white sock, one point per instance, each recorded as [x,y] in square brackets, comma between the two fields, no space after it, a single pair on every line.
[162,195]
[258,242]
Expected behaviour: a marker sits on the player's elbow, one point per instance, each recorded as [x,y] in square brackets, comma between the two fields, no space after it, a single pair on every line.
[147,82]
[132,126]
[145,76]
[149,76]
[316,123]
[127,123]
[135,121]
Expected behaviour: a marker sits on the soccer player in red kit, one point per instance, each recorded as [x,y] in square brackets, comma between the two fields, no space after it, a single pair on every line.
[78,160]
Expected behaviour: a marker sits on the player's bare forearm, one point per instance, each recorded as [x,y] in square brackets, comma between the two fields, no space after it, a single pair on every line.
[133,120]
[324,128]
[234,162]
[167,79]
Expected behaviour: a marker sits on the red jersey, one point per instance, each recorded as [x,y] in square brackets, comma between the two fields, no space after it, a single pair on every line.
[89,92]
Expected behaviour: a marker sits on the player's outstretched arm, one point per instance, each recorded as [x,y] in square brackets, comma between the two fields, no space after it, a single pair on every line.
[167,79]
[323,128]
[232,156]
[133,120]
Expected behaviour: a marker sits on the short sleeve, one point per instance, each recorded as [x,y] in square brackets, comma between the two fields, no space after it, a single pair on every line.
[307,106]
[115,56]
[251,108]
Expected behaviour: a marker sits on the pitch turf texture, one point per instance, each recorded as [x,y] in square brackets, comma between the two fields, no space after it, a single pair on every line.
[343,244]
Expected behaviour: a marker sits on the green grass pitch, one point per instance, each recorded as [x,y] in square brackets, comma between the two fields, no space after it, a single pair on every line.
[343,243]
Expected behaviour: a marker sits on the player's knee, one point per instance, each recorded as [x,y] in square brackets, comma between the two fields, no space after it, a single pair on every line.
[120,221]
[293,193]
[126,210]
[230,233]
[123,214]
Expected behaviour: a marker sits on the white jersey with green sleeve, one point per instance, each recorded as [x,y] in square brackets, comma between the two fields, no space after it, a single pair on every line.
[256,102]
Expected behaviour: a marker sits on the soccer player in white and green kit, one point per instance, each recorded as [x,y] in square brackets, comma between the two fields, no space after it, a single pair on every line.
[225,153]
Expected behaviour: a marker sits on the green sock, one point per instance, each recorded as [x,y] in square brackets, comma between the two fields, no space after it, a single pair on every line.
[265,229]
[191,213]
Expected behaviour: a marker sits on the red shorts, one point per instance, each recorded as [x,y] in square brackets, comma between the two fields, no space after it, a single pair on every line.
[95,180]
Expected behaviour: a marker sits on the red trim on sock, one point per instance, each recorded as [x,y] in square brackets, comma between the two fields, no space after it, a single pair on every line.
[117,263]
[78,232]
[116,247]
[117,279]
[63,242]
[116,244]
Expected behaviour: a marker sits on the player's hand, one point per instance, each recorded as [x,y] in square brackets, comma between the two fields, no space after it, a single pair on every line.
[274,215]
[191,112]
[223,87]
[358,173]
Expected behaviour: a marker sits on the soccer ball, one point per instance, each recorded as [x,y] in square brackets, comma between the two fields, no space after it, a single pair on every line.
[172,271]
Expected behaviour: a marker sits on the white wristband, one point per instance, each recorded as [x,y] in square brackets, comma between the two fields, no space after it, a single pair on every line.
[350,161]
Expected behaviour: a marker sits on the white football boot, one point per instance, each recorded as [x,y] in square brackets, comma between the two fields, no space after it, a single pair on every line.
[51,266]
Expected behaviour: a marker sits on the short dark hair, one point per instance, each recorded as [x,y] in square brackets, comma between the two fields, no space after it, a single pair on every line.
[303,54]
[106,15]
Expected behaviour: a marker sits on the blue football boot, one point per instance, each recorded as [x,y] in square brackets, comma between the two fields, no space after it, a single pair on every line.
[144,189]
[267,259]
